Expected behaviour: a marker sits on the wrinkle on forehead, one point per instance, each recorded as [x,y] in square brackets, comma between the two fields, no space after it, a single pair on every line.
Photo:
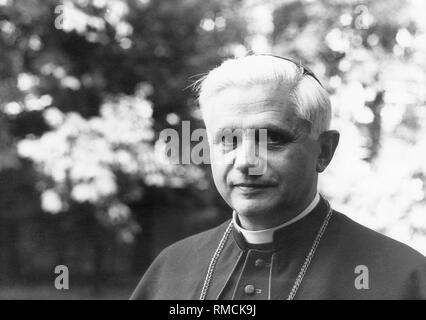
[254,114]
[268,119]
[255,95]
[259,107]
[250,103]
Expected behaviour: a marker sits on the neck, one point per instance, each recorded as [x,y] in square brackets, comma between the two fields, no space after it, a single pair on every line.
[266,235]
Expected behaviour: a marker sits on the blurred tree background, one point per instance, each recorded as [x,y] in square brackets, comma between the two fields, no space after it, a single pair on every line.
[86,86]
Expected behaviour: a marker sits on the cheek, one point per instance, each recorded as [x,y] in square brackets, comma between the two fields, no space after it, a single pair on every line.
[219,173]
[220,163]
[294,165]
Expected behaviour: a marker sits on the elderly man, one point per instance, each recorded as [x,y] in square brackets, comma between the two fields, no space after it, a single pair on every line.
[284,241]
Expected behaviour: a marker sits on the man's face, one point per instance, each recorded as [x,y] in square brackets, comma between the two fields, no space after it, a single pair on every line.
[288,181]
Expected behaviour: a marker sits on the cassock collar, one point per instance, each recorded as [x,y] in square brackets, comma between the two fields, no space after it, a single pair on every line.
[303,230]
[266,236]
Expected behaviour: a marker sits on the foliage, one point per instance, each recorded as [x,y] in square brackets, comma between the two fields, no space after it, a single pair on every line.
[88,85]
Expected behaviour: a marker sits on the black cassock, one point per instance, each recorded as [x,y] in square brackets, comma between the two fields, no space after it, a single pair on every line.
[351,262]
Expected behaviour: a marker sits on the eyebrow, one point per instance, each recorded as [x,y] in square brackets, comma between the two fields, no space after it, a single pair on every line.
[269,127]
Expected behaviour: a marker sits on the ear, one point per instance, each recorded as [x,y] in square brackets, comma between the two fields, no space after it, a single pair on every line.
[328,141]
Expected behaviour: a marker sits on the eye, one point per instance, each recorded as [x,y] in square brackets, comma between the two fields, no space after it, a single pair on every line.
[278,138]
[273,137]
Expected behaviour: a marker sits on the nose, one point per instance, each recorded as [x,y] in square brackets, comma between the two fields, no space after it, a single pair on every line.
[246,159]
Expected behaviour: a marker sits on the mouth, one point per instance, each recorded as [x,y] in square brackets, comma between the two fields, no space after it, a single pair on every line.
[251,187]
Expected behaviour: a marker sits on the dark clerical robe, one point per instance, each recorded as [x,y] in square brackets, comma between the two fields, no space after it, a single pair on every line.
[351,262]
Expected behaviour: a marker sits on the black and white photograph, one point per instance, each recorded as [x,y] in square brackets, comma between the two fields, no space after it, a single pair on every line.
[226,150]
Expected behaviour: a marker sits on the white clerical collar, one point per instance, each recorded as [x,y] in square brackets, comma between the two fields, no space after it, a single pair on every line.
[266,235]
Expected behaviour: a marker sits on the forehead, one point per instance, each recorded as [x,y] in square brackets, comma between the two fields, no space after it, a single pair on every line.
[257,106]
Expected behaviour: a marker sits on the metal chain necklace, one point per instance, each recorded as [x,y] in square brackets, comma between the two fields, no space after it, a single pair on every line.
[302,271]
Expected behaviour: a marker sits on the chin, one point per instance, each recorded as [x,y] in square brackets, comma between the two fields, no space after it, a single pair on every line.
[251,210]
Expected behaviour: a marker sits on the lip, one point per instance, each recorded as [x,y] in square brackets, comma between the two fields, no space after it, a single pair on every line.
[249,189]
[251,185]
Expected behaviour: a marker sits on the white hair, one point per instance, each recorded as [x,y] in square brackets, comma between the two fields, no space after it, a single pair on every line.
[310,99]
